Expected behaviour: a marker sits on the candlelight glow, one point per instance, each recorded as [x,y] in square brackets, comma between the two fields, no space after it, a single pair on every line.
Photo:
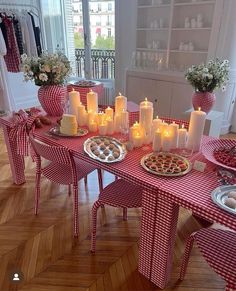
[73,89]
[120,94]
[167,133]
[90,90]
[173,122]
[199,108]
[137,134]
[157,117]
[146,99]
[182,125]
[158,130]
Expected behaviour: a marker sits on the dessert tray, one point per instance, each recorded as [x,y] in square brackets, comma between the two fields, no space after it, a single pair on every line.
[221,196]
[166,164]
[105,149]
[56,131]
[85,83]
[221,152]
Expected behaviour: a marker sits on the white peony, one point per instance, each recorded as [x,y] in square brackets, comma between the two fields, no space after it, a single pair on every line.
[43,77]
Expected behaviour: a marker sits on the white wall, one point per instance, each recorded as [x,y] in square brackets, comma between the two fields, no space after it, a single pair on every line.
[125,34]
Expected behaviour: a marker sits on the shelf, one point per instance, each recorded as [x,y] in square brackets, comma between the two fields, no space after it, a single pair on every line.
[153,29]
[150,50]
[154,6]
[189,52]
[191,29]
[194,3]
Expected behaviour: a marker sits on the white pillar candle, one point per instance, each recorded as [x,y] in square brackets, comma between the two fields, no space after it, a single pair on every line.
[173,128]
[101,118]
[196,127]
[110,126]
[157,140]
[117,122]
[81,114]
[91,116]
[102,129]
[74,99]
[133,130]
[146,115]
[124,118]
[163,126]
[156,123]
[109,112]
[166,141]
[182,137]
[137,140]
[92,101]
[120,103]
[92,125]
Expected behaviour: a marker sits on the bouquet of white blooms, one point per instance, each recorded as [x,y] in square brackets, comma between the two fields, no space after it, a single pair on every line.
[48,69]
[210,76]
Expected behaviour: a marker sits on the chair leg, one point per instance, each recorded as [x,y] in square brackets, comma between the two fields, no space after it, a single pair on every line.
[85,181]
[96,205]
[76,210]
[186,256]
[37,192]
[69,189]
[100,180]
[125,217]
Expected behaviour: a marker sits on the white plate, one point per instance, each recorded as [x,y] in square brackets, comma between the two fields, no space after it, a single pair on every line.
[220,194]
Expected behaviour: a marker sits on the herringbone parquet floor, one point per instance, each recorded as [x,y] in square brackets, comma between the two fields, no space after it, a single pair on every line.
[44,250]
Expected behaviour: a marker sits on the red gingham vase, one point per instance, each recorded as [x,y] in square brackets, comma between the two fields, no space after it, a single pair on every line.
[204,100]
[52,98]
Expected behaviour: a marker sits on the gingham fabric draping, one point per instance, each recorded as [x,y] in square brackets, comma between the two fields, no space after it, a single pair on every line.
[12,58]
[7,100]
[218,247]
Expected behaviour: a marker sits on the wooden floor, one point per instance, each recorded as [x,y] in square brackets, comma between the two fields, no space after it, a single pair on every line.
[43,250]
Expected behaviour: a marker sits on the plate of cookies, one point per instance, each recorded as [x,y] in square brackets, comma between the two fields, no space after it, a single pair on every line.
[105,149]
[166,164]
[225,197]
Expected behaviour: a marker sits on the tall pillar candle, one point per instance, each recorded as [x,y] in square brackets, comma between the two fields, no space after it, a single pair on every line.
[156,124]
[120,104]
[74,100]
[174,132]
[92,125]
[133,130]
[196,127]
[146,115]
[182,137]
[156,146]
[92,102]
[124,119]
[81,114]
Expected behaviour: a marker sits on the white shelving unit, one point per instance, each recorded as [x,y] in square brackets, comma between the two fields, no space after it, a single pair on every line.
[161,30]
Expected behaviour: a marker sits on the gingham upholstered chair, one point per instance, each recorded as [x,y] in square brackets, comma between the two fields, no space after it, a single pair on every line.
[117,194]
[218,247]
[61,169]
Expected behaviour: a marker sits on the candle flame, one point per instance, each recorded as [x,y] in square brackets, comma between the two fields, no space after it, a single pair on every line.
[173,122]
[108,107]
[73,89]
[146,99]
[199,108]
[157,117]
[158,130]
[120,94]
[167,133]
[90,90]
[182,125]
[137,134]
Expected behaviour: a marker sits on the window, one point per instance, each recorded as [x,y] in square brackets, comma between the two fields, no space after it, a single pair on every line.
[108,20]
[80,7]
[109,32]
[109,6]
[80,19]
[99,7]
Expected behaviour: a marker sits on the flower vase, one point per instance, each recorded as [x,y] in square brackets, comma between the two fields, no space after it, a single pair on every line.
[203,100]
[52,99]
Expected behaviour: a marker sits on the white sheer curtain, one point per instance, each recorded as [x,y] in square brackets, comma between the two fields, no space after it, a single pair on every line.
[6,98]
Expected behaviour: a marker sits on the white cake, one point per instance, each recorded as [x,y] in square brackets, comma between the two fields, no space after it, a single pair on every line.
[68,124]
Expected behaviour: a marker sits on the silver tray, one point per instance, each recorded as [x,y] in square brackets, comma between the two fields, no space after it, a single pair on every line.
[220,194]
[159,173]
[117,145]
[56,131]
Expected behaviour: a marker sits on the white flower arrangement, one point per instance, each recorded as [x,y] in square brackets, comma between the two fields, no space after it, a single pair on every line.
[49,69]
[210,76]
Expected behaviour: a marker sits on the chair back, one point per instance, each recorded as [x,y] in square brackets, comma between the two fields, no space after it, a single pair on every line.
[57,154]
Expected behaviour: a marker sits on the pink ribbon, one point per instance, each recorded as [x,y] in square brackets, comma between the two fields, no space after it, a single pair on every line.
[23,124]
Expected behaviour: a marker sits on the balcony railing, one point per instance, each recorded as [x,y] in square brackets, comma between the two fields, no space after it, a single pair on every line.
[102,62]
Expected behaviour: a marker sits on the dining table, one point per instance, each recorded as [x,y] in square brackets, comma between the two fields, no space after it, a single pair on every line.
[162,196]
